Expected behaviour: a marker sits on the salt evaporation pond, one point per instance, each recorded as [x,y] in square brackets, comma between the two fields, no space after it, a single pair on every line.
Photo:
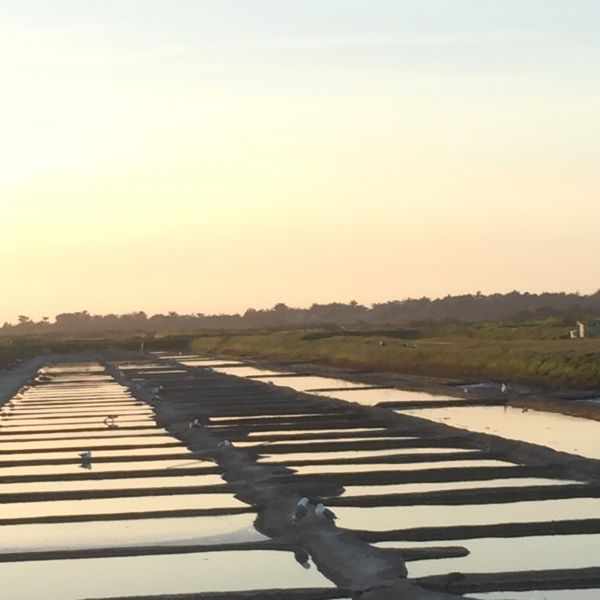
[375,467]
[540,595]
[382,518]
[130,533]
[416,488]
[372,397]
[561,432]
[156,575]
[517,554]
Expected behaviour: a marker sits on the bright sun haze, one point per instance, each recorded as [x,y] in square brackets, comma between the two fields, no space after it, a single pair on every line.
[210,155]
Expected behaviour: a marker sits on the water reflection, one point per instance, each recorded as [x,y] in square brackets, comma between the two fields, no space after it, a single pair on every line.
[372,397]
[351,454]
[138,504]
[179,574]
[540,595]
[561,432]
[382,518]
[139,532]
[410,488]
[110,484]
[367,468]
[509,554]
[146,465]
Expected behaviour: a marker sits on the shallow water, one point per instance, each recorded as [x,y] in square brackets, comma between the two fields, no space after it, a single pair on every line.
[138,532]
[305,383]
[383,518]
[561,432]
[372,397]
[350,454]
[74,454]
[90,444]
[138,504]
[367,468]
[111,484]
[143,465]
[179,574]
[266,443]
[540,595]
[409,488]
[293,432]
[244,371]
[489,555]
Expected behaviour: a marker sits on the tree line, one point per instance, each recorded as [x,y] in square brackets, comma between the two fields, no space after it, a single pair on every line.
[467,308]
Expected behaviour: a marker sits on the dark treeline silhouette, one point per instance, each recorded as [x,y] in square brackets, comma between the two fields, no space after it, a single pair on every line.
[515,306]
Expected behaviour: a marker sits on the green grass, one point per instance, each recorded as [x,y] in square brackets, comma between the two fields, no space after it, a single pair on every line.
[530,353]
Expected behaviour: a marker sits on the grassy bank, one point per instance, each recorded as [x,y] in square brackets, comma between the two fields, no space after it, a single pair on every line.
[529,353]
[23,347]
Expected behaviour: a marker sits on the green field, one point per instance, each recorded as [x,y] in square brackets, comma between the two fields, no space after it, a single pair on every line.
[537,352]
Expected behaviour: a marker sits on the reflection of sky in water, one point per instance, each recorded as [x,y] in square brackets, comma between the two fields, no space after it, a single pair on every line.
[371,397]
[138,504]
[138,532]
[383,518]
[365,468]
[540,595]
[275,417]
[143,465]
[408,488]
[72,435]
[509,554]
[73,455]
[51,427]
[77,444]
[300,382]
[157,575]
[323,441]
[349,454]
[111,484]
[561,432]
[82,422]
[244,371]
[293,432]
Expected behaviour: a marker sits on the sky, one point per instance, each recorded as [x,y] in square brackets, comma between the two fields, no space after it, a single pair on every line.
[211,155]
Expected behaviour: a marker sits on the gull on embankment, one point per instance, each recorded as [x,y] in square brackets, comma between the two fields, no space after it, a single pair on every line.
[301,509]
[324,513]
[225,444]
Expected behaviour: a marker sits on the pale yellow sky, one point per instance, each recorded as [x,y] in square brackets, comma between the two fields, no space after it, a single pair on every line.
[206,158]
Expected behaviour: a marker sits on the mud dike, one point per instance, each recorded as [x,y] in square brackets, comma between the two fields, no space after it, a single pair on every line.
[164,510]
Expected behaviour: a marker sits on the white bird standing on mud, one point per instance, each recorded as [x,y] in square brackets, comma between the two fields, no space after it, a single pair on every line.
[324,513]
[504,388]
[225,444]
[301,509]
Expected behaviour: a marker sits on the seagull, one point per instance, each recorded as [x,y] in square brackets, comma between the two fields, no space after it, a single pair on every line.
[195,423]
[302,556]
[504,388]
[324,513]
[110,421]
[225,444]
[301,509]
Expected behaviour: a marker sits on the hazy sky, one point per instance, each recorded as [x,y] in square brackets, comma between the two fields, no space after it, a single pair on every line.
[210,155]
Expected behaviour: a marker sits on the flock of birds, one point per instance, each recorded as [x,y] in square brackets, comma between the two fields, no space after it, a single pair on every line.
[303,509]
